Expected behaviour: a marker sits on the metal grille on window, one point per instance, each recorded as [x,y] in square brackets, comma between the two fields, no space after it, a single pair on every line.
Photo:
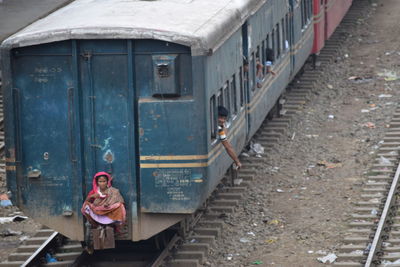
[163,70]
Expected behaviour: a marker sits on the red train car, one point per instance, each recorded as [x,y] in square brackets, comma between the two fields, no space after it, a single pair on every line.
[319,25]
[327,16]
[334,13]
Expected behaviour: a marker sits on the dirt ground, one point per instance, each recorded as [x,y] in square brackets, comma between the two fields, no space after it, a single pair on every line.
[297,210]
[12,234]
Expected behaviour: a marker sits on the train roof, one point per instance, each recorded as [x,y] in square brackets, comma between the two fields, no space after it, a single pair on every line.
[202,25]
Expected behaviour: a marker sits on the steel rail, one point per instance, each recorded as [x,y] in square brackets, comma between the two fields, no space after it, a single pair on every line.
[160,259]
[377,242]
[40,249]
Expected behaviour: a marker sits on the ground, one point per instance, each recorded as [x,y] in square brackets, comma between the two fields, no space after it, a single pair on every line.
[296,210]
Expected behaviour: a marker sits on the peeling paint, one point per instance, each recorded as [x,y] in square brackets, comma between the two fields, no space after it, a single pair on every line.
[197,178]
[106,143]
[108,156]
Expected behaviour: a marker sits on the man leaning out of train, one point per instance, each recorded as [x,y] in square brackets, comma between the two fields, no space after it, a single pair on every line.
[222,116]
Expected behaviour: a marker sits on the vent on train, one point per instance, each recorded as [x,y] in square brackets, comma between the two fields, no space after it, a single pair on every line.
[166,75]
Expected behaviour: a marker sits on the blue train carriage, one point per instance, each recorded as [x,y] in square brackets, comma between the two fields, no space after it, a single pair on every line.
[122,87]
[237,78]
[266,41]
[302,32]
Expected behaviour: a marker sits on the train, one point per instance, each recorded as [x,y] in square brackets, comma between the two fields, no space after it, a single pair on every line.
[132,88]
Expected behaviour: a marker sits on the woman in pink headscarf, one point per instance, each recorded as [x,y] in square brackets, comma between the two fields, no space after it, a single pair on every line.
[104,204]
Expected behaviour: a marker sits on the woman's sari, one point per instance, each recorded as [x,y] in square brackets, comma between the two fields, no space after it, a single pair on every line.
[108,208]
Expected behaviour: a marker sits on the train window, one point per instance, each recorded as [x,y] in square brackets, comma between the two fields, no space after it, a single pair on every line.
[278,41]
[306,3]
[253,72]
[241,86]
[287,28]
[259,69]
[245,74]
[220,98]
[233,95]
[273,41]
[308,10]
[227,99]
[311,11]
[263,59]
[305,12]
[283,36]
[302,13]
[258,60]
[213,118]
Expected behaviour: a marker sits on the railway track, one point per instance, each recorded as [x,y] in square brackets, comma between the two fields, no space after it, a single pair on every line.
[33,251]
[190,243]
[374,235]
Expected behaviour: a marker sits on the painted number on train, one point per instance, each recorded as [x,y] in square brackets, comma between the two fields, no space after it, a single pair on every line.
[42,74]
[173,180]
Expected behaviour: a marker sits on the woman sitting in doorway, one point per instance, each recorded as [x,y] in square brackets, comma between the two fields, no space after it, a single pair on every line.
[104,205]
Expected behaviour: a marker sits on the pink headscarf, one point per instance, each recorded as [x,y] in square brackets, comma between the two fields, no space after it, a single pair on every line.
[94,184]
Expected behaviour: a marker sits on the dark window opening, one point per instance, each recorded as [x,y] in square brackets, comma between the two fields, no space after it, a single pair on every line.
[233,95]
[241,87]
[163,70]
[253,71]
[287,29]
[263,58]
[227,99]
[302,13]
[278,41]
[220,98]
[213,118]
[273,41]
[284,46]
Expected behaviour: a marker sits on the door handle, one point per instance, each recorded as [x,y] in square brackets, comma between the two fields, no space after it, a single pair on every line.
[34,174]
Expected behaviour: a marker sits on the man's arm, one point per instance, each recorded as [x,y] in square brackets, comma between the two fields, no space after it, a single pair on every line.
[231,153]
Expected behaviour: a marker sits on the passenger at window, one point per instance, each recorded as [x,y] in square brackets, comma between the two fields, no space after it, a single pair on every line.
[259,73]
[245,72]
[222,116]
[104,205]
[270,60]
[245,65]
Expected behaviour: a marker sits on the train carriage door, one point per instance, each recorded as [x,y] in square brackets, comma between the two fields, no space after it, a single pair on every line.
[46,158]
[108,112]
